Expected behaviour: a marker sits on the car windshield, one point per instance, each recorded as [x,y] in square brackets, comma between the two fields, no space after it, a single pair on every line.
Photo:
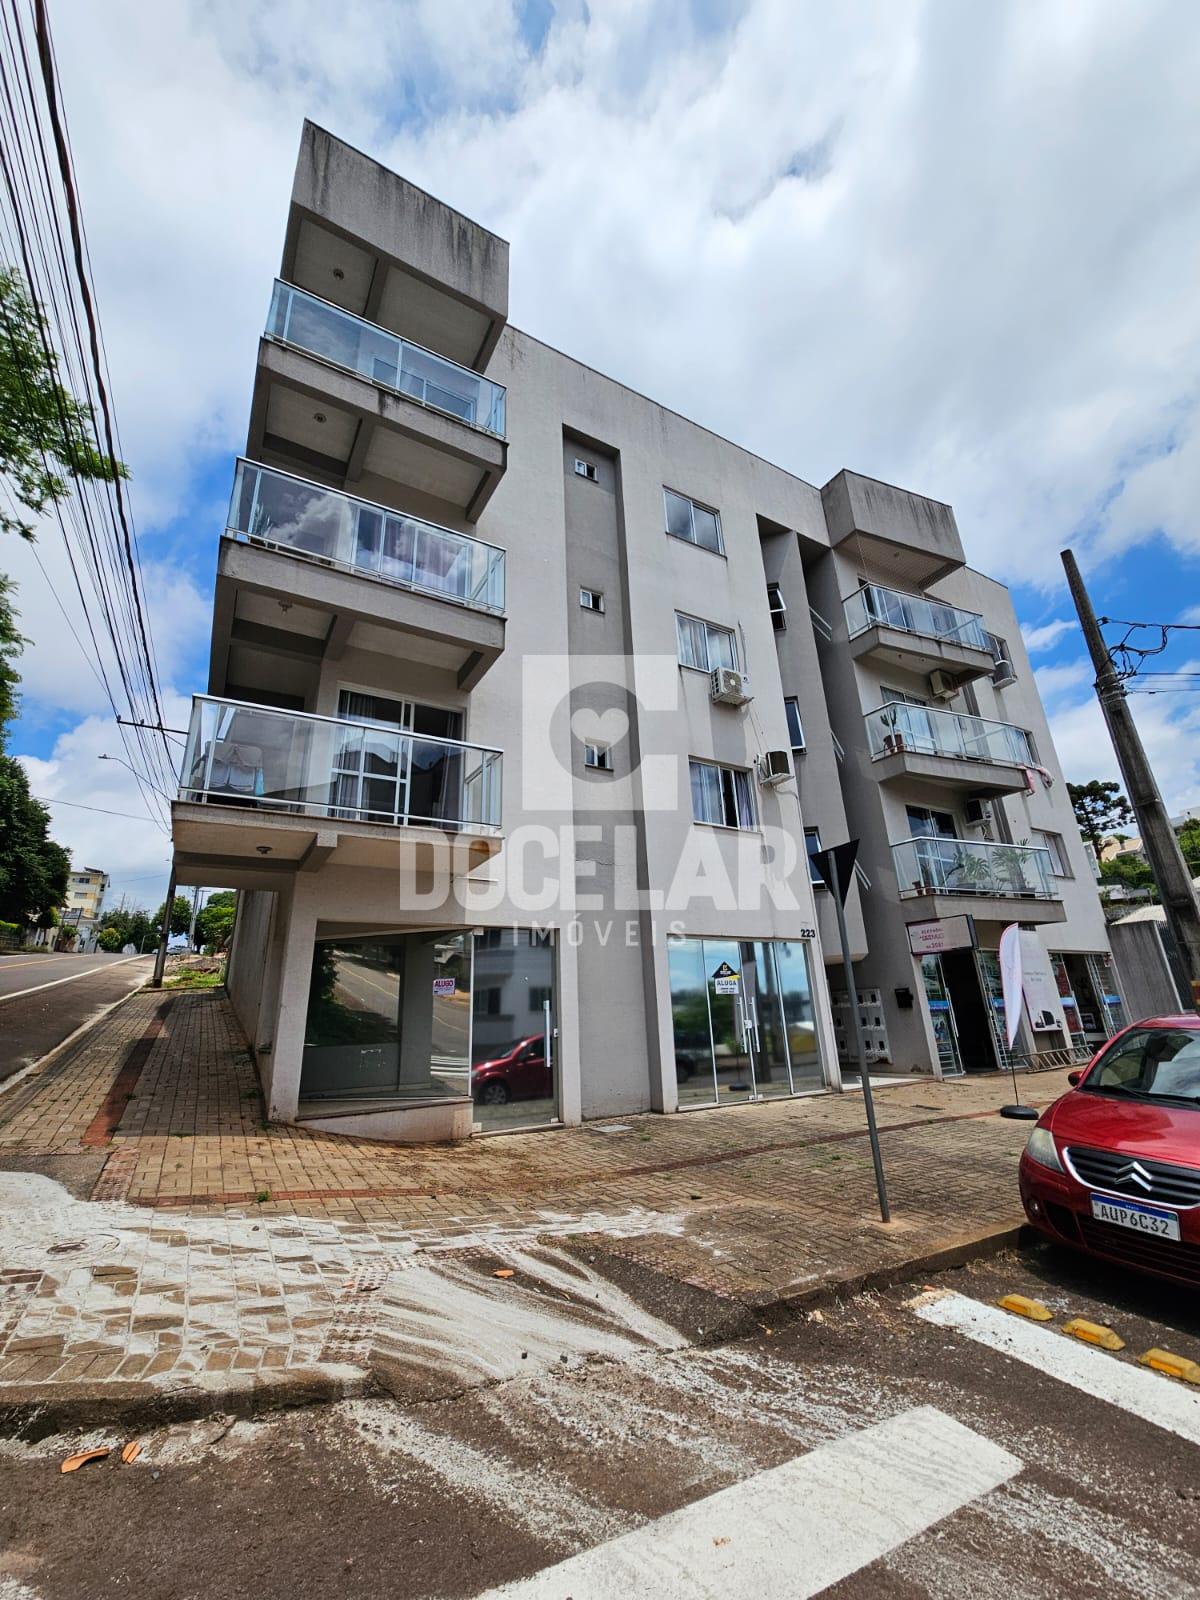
[1154,1063]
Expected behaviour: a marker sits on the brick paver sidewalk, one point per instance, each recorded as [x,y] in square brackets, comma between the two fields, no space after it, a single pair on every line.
[211,1242]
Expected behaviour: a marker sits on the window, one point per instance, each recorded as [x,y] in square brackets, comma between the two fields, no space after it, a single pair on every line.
[538,995]
[487,1002]
[795,727]
[598,756]
[704,645]
[900,697]
[721,796]
[696,524]
[1002,672]
[778,607]
[926,824]
[591,599]
[812,839]
[1054,842]
[586,469]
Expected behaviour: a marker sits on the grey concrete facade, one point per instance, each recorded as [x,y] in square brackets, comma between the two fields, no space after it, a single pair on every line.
[397,750]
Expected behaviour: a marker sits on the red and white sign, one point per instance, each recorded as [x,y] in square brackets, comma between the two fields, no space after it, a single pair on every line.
[443,988]
[943,933]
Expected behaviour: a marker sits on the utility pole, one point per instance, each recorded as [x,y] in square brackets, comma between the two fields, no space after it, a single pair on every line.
[1158,837]
[160,960]
[192,924]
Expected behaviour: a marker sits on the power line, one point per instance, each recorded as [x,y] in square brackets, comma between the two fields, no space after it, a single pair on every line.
[78,805]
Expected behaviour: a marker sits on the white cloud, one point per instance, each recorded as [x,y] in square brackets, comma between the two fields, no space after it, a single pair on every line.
[1038,639]
[946,245]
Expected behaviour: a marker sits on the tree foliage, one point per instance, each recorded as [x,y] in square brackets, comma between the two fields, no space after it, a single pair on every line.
[1189,843]
[33,869]
[1100,810]
[130,927]
[215,922]
[181,914]
[46,434]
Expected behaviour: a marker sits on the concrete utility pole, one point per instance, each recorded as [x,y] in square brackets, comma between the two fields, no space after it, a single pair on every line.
[160,960]
[1158,837]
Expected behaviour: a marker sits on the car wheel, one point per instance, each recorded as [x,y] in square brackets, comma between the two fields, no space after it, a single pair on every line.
[495,1094]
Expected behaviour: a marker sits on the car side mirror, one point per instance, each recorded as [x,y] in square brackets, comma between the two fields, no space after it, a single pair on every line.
[1074,1078]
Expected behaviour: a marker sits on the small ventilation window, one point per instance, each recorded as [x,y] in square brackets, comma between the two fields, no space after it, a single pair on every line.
[586,469]
[591,599]
[598,756]
[778,607]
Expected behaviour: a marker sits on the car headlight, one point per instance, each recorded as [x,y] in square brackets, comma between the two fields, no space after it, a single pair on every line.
[1041,1148]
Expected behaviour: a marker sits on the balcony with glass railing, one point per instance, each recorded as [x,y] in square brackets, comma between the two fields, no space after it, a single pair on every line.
[258,759]
[942,866]
[324,525]
[900,728]
[308,323]
[874,606]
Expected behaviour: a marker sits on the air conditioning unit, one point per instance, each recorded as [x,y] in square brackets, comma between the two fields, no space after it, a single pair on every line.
[730,688]
[775,767]
[1003,674]
[942,685]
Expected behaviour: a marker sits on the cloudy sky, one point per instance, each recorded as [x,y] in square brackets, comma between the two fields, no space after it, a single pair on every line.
[950,245]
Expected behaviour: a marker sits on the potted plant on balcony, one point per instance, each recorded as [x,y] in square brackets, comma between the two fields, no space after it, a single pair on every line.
[893,738]
[1015,859]
[973,872]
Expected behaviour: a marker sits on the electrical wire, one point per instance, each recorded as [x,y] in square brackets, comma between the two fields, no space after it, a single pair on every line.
[42,233]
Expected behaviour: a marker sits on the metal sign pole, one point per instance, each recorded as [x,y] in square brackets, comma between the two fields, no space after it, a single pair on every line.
[833,866]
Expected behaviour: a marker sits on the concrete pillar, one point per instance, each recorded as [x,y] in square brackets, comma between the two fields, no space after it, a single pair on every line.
[287,1046]
[416,1011]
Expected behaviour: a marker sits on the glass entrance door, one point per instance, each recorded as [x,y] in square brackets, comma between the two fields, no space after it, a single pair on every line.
[743,1020]
[941,1015]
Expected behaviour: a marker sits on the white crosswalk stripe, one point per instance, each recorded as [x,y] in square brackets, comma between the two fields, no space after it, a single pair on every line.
[793,1530]
[1137,1390]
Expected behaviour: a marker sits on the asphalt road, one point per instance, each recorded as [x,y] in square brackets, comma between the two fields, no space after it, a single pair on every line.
[43,999]
[891,1448]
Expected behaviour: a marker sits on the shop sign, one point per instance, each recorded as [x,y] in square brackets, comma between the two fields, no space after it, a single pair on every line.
[943,933]
[725,979]
[443,988]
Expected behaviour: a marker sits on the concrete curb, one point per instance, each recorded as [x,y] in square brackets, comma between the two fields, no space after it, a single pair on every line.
[35,1410]
[965,1249]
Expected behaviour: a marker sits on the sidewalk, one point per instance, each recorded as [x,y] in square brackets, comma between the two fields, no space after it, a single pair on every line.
[208,1246]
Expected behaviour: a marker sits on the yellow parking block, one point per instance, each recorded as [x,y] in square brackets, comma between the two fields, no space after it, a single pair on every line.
[1025,1307]
[1173,1366]
[1094,1333]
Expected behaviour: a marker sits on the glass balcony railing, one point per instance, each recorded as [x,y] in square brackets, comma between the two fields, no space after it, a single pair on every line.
[359,346]
[935,865]
[329,526]
[927,731]
[240,754]
[873,606]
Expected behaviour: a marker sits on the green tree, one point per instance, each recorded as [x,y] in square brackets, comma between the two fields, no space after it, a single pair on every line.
[110,940]
[181,914]
[33,869]
[11,644]
[215,922]
[1189,843]
[1130,870]
[46,436]
[1100,810]
[131,927]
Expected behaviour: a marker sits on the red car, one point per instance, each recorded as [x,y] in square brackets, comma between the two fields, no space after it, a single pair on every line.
[1113,1167]
[520,1074]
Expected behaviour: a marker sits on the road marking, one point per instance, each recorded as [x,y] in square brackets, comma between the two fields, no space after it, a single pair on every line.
[791,1531]
[1135,1389]
[73,978]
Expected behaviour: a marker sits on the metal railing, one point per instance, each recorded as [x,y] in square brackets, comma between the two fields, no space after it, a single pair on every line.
[328,526]
[240,754]
[325,330]
[874,606]
[936,865]
[928,731]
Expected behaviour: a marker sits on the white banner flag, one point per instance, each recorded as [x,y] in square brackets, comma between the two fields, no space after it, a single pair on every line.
[1010,979]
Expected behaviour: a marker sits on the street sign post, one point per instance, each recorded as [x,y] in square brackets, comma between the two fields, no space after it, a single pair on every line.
[836,866]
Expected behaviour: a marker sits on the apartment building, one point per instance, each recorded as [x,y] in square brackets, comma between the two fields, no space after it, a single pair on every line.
[530,702]
[86,888]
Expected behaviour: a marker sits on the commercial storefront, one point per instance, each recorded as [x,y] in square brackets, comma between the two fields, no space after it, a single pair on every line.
[744,1022]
